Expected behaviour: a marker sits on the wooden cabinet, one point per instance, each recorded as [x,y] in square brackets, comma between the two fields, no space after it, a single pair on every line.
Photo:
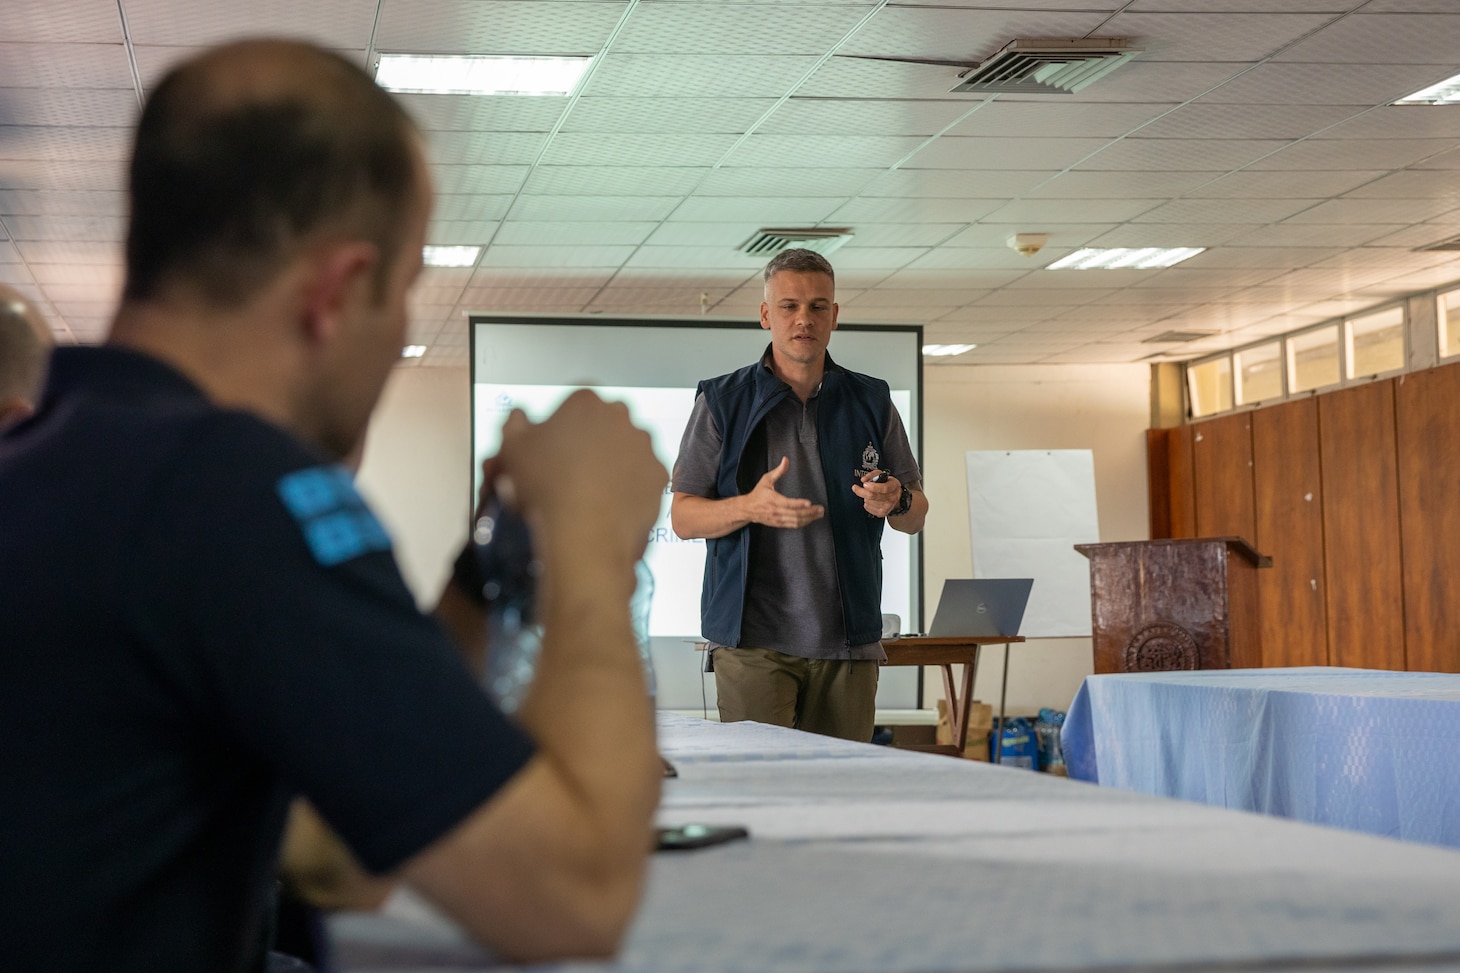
[1361,542]
[1288,502]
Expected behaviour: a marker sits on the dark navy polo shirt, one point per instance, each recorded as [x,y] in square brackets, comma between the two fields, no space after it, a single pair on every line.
[199,619]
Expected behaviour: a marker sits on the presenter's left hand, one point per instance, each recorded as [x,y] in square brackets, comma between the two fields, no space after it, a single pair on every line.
[879,499]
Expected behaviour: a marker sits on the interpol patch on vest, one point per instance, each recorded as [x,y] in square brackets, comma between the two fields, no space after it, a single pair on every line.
[336,523]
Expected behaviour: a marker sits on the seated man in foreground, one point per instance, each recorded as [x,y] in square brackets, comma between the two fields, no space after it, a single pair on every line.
[201,619]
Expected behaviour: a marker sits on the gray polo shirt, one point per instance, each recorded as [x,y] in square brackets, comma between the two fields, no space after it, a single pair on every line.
[792,601]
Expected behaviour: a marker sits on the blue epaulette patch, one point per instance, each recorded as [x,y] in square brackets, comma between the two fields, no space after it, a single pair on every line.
[336,523]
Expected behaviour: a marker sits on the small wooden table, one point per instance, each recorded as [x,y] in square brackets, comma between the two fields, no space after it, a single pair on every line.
[945,652]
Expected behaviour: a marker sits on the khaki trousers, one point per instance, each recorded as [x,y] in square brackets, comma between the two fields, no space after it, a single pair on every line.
[833,697]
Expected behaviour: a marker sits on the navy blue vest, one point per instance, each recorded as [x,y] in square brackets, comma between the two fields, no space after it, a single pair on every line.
[852,412]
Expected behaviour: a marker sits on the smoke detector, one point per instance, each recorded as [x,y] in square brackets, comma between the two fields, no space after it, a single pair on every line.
[1047,65]
[822,239]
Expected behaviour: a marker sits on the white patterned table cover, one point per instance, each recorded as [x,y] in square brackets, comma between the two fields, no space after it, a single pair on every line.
[865,859]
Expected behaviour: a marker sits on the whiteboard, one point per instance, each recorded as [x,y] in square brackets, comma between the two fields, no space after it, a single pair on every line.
[1026,511]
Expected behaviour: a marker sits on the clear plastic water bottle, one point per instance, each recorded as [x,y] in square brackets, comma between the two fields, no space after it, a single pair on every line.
[639,607]
[509,573]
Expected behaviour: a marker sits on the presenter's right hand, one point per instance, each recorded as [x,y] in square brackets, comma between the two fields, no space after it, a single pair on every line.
[765,504]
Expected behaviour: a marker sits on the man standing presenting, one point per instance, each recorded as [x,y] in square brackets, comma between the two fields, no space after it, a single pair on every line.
[779,470]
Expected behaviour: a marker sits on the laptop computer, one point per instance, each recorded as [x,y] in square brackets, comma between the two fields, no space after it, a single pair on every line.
[981,606]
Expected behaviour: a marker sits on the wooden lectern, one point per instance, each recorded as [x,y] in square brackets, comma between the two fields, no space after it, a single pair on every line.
[1174,604]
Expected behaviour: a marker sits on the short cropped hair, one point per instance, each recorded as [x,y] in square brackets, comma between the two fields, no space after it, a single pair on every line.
[801,261]
[248,151]
[25,348]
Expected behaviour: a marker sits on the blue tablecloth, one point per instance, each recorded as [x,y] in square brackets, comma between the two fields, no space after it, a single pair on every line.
[1363,749]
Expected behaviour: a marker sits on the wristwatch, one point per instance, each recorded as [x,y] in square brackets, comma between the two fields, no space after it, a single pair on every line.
[904,504]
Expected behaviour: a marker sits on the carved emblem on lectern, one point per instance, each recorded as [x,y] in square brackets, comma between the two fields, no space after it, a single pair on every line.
[1161,647]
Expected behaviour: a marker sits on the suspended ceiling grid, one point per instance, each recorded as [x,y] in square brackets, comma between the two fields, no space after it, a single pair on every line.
[1260,129]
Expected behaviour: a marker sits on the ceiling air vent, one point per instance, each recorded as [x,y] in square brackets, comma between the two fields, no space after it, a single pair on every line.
[1449,243]
[1047,65]
[770,240]
[1176,337]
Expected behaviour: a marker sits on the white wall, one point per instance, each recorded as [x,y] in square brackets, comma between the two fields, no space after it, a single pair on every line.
[416,473]
[1103,408]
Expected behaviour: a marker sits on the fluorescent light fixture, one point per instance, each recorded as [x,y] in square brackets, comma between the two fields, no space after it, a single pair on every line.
[1124,258]
[940,351]
[1447,92]
[450,256]
[472,74]
[413,351]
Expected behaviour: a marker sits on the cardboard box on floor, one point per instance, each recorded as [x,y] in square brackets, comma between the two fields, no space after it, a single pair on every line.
[980,725]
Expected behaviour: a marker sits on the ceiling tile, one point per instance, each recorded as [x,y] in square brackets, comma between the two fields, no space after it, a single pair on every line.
[551,257]
[75,143]
[885,116]
[1050,119]
[78,22]
[695,76]
[71,252]
[64,66]
[66,107]
[1355,154]
[1213,36]
[1375,211]
[453,233]
[961,34]
[846,77]
[614,180]
[62,203]
[1008,152]
[1225,211]
[483,113]
[1173,235]
[465,206]
[521,27]
[1121,185]
[762,210]
[786,182]
[999,319]
[1314,235]
[904,234]
[478,180]
[874,209]
[929,297]
[332,23]
[686,234]
[813,151]
[1295,184]
[1260,257]
[725,258]
[972,258]
[1340,83]
[1223,121]
[1411,184]
[983,183]
[1161,82]
[682,28]
[66,228]
[607,149]
[509,298]
[1028,212]
[997,234]
[1382,39]
[108,276]
[574,234]
[573,208]
[1399,122]
[877,258]
[669,116]
[1419,235]
[484,149]
[1179,154]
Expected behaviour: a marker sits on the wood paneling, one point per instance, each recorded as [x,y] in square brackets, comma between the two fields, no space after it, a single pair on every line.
[1169,481]
[1427,412]
[1288,495]
[1361,527]
[1221,453]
